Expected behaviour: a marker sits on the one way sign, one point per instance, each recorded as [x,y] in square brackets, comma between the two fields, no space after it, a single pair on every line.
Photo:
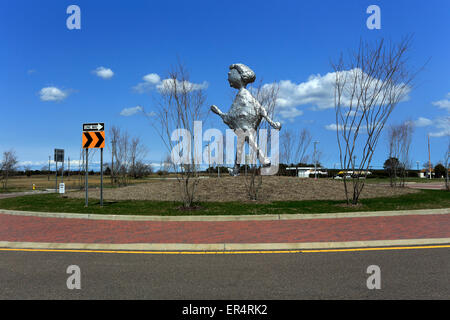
[99,126]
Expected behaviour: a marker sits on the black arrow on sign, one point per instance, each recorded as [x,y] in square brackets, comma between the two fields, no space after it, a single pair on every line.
[100,139]
[89,139]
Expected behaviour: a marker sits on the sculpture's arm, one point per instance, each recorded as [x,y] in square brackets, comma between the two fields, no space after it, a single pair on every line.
[275,125]
[216,110]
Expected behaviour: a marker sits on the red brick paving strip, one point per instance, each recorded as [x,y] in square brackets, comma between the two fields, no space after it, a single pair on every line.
[64,230]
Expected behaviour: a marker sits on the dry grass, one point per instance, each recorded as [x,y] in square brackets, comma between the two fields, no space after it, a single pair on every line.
[224,189]
[42,182]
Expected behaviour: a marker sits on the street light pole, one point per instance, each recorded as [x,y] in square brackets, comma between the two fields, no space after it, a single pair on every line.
[68,170]
[418,170]
[315,160]
[429,156]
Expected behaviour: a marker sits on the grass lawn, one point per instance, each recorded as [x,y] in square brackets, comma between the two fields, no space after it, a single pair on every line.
[409,179]
[425,199]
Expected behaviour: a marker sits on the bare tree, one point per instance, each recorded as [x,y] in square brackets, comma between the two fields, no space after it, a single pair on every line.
[367,88]
[122,156]
[286,146]
[142,169]
[27,170]
[294,145]
[137,154]
[399,139]
[179,105]
[167,165]
[8,166]
[81,168]
[303,143]
[114,134]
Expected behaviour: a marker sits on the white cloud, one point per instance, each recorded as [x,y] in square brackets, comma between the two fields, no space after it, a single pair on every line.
[444,103]
[150,81]
[363,128]
[52,94]
[153,80]
[290,113]
[317,91]
[422,122]
[104,73]
[31,163]
[443,126]
[333,127]
[170,84]
[131,111]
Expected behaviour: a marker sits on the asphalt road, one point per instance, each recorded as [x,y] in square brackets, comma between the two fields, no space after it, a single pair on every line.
[405,274]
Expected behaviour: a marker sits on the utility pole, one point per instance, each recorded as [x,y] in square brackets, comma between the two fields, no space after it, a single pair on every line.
[48,175]
[113,150]
[429,156]
[56,176]
[209,159]
[447,157]
[315,160]
[68,170]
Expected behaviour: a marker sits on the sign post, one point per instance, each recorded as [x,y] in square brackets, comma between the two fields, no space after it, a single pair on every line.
[94,137]
[101,177]
[56,177]
[86,178]
[59,157]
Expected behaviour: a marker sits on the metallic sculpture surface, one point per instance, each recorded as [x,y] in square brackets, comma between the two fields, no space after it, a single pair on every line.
[245,114]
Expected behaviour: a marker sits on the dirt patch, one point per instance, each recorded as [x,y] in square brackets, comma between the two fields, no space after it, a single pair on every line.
[224,189]
[352,206]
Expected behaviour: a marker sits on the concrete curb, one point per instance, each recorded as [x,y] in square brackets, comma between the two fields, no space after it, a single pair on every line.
[220,247]
[228,218]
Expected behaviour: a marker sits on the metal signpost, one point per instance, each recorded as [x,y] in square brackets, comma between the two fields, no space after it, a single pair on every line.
[58,157]
[94,137]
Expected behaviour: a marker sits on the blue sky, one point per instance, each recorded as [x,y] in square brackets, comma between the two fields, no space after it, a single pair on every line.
[286,41]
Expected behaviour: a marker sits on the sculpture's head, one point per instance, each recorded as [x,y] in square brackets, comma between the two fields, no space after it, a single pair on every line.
[240,75]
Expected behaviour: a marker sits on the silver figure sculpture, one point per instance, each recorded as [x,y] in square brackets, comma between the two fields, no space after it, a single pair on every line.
[245,114]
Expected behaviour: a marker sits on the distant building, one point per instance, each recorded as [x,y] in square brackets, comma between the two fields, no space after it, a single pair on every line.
[305,172]
[425,173]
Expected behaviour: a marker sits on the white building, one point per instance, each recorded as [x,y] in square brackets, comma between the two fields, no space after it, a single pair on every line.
[304,172]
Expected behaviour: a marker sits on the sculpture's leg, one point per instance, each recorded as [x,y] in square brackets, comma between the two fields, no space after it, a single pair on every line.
[259,153]
[238,158]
